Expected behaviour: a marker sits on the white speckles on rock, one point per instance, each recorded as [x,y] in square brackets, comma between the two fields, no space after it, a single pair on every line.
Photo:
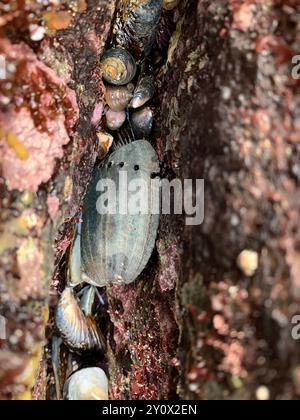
[226,93]
[262,393]
[247,261]
[37,32]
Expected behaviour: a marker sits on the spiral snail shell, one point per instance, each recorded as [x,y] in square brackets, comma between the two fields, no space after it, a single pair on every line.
[87,384]
[117,97]
[118,66]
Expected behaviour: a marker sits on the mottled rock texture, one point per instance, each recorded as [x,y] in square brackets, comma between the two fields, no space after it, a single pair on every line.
[211,316]
[48,148]
[230,115]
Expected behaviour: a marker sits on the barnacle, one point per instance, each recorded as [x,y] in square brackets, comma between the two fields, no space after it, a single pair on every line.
[105,143]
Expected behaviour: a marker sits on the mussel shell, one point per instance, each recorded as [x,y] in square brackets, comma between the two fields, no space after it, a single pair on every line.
[136,25]
[170,4]
[118,66]
[75,275]
[117,247]
[87,384]
[79,332]
[144,92]
[142,122]
[117,97]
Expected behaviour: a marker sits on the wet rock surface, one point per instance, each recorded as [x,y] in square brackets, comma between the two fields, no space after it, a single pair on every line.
[49,102]
[230,116]
[211,315]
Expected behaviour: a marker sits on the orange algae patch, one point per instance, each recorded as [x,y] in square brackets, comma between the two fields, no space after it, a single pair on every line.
[15,143]
[57,20]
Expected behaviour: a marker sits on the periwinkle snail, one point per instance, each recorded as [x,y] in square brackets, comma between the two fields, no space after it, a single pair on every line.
[117,97]
[118,66]
[115,248]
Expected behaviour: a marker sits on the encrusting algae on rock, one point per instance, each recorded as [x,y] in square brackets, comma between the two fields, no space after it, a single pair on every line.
[15,143]
[34,127]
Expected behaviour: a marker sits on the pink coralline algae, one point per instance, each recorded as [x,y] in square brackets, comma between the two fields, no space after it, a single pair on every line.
[97,114]
[39,112]
[43,149]
[30,260]
[53,206]
[243,15]
[169,273]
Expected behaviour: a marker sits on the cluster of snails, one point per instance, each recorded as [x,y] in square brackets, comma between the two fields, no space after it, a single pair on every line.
[110,249]
[119,69]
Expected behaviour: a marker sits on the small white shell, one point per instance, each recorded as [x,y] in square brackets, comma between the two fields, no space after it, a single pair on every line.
[248,262]
[115,119]
[87,384]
